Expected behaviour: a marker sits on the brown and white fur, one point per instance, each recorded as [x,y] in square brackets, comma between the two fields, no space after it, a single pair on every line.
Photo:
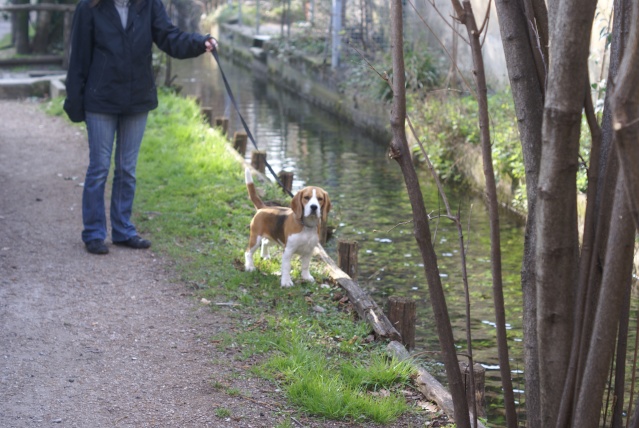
[296,228]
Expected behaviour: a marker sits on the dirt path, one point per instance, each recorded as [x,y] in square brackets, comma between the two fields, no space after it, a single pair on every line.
[98,341]
[105,341]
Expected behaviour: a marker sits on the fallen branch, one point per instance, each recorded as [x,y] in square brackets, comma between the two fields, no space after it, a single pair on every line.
[430,387]
[366,307]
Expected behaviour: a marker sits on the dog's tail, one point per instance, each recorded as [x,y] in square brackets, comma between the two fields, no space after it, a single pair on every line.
[251,190]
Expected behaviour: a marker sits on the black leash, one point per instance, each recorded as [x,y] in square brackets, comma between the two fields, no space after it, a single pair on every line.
[246,128]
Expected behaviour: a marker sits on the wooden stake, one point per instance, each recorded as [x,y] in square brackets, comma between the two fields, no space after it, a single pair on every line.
[347,257]
[258,160]
[239,142]
[402,313]
[287,180]
[207,112]
[479,373]
[323,233]
[222,123]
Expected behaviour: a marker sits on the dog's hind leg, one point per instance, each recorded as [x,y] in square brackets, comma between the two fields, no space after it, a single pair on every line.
[264,250]
[248,255]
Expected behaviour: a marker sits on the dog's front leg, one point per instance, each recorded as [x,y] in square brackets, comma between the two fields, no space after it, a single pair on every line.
[306,263]
[286,268]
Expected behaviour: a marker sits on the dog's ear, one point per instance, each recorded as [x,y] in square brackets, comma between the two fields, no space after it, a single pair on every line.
[296,204]
[326,208]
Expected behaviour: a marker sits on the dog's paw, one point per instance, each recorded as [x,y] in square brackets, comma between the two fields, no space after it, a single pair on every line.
[249,268]
[308,277]
[287,283]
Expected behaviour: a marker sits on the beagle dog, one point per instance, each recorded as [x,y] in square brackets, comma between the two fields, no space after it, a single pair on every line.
[296,228]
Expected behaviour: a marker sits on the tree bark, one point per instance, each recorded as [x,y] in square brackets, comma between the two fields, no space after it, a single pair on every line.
[365,307]
[528,96]
[557,240]
[620,363]
[400,152]
[43,27]
[602,178]
[20,24]
[617,273]
[468,19]
[336,28]
[625,107]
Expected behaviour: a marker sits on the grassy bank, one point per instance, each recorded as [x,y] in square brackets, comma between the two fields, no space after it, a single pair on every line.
[192,202]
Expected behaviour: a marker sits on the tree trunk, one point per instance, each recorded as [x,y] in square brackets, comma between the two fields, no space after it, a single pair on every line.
[617,272]
[557,236]
[400,152]
[43,28]
[468,19]
[620,363]
[625,108]
[336,28]
[21,30]
[602,176]
[528,96]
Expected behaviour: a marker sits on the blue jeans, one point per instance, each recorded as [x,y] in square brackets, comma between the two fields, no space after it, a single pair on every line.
[127,130]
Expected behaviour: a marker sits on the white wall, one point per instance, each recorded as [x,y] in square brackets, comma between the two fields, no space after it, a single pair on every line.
[494,60]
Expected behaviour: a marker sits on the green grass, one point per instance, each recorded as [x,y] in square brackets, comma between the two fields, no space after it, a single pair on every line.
[222,412]
[192,202]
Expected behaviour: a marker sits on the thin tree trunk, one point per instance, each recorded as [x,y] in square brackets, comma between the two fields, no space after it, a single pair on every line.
[400,152]
[616,274]
[468,19]
[528,96]
[589,278]
[557,239]
[43,28]
[20,24]
[602,176]
[625,108]
[620,363]
[336,28]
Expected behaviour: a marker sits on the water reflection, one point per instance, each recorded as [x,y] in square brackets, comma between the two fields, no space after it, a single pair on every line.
[371,206]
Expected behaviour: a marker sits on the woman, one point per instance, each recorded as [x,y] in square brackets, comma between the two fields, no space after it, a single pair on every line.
[110,85]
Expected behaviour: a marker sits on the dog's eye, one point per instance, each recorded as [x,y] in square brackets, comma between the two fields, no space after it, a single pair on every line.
[306,198]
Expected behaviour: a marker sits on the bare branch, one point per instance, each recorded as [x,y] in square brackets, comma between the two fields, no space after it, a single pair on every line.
[432,3]
[470,88]
[431,168]
[485,23]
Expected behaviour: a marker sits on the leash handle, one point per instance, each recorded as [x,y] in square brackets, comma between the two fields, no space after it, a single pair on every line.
[246,128]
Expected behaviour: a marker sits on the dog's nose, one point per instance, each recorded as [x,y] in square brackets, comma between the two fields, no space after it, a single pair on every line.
[313,207]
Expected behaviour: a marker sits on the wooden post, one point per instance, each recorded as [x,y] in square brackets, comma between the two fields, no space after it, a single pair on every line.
[347,257]
[479,373]
[66,39]
[223,123]
[258,160]
[323,233]
[402,313]
[239,142]
[287,180]
[207,113]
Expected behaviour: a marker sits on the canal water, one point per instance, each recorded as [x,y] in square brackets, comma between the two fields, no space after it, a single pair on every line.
[370,205]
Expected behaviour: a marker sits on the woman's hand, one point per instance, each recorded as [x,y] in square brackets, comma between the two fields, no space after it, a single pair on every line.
[211,44]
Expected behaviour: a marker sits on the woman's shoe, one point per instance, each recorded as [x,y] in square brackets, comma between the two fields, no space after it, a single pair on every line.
[97,246]
[134,242]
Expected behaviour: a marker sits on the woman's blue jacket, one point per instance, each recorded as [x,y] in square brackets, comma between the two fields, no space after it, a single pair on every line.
[110,67]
